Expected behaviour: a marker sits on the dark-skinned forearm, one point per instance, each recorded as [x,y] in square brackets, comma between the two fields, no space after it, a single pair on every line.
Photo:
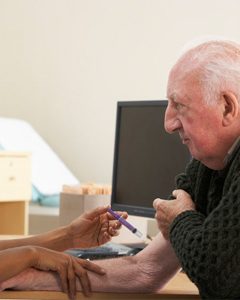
[15,260]
[57,239]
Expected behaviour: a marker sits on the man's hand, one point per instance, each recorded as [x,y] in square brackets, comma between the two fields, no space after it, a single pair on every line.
[94,228]
[167,211]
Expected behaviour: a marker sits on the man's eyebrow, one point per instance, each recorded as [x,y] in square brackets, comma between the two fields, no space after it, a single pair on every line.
[172,97]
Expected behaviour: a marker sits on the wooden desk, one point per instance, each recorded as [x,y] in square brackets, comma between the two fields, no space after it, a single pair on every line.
[180,287]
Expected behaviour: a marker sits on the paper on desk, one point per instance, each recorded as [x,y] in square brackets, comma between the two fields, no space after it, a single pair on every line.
[49,173]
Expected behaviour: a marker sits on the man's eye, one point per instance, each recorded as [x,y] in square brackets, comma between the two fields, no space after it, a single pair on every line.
[179,106]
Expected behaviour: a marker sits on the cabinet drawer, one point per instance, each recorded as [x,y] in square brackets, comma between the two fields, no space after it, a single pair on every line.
[15,177]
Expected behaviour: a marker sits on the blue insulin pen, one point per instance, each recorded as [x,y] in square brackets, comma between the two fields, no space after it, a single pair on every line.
[133,229]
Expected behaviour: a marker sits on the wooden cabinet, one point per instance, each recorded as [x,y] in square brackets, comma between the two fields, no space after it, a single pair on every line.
[15,192]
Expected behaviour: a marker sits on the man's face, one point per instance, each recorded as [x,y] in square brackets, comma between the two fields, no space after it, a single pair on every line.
[198,124]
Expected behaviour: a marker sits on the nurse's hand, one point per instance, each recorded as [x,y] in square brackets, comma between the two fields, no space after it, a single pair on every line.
[94,228]
[69,269]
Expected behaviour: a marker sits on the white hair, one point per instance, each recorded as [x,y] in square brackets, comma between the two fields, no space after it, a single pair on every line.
[217,62]
[202,40]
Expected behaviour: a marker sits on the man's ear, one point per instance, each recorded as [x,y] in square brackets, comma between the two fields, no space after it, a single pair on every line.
[230,107]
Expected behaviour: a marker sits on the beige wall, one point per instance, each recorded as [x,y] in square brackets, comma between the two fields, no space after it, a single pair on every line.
[65,63]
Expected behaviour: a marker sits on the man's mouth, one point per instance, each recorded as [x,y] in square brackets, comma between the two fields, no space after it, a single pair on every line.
[184,139]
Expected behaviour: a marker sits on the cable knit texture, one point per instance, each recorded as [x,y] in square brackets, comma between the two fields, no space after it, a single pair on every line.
[207,241]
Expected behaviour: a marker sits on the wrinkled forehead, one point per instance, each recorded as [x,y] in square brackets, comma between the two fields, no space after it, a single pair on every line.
[181,80]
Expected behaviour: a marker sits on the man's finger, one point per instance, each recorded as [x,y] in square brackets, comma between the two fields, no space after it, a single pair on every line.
[157,201]
[177,193]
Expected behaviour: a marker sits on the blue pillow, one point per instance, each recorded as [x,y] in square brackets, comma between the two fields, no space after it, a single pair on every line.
[45,200]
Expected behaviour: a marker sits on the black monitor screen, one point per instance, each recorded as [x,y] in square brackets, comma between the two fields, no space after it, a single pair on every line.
[146,158]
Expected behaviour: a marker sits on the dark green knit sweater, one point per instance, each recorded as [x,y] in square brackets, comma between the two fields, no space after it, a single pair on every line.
[207,241]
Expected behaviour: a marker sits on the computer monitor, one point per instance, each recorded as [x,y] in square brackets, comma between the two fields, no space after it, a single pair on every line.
[146,158]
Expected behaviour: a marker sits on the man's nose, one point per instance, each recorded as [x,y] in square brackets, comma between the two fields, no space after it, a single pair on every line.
[171,122]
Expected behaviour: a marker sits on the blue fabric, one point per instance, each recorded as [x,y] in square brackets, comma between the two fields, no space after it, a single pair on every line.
[45,200]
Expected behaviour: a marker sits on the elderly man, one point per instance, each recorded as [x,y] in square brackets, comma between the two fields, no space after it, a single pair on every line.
[203,220]
[200,227]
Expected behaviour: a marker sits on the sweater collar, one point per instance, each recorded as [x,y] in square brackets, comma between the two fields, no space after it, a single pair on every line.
[232,151]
